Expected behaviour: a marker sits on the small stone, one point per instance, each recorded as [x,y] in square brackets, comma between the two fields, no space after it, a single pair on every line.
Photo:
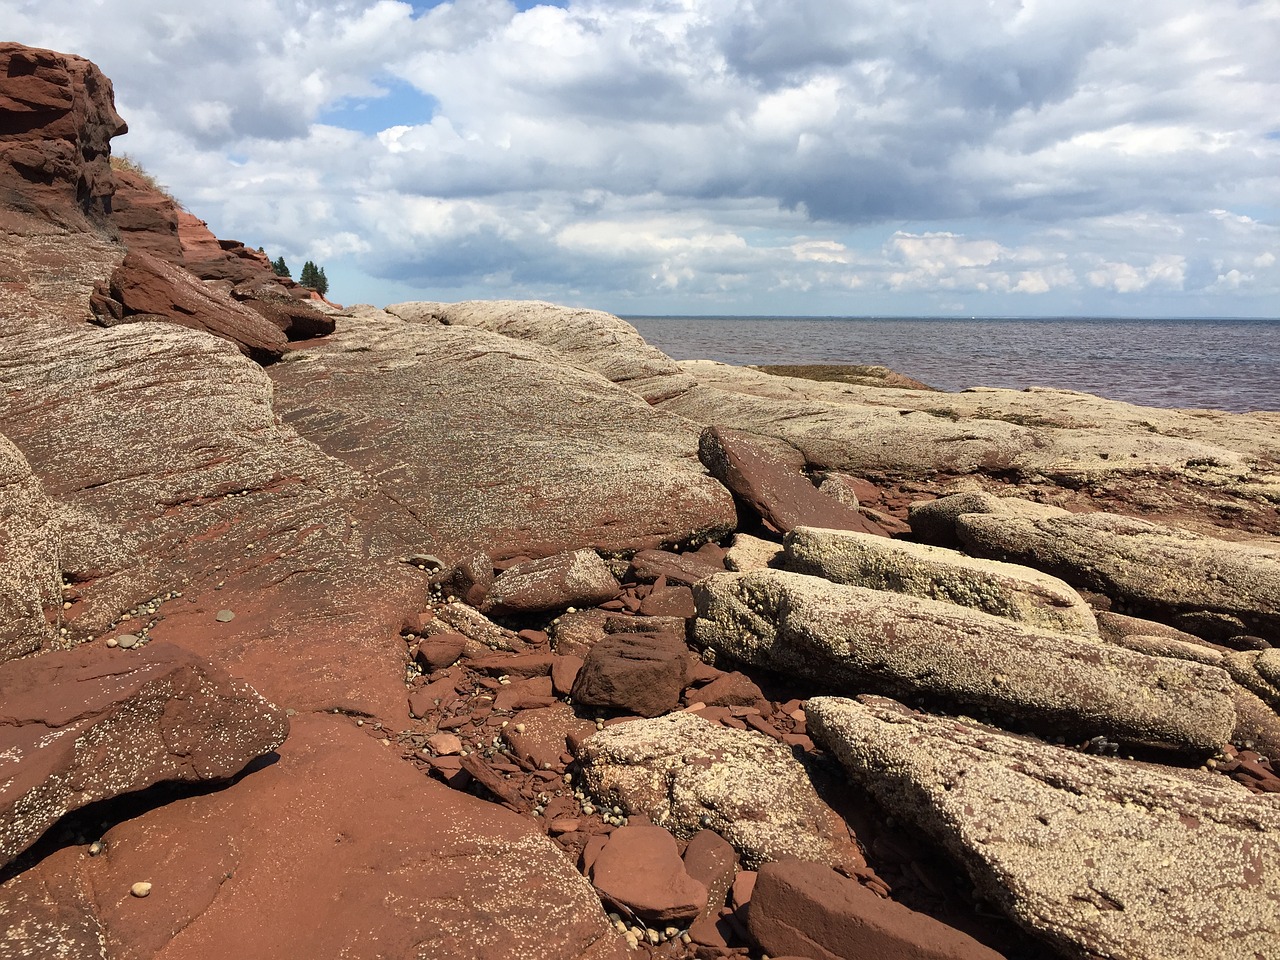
[96,848]
[224,616]
[141,889]
[112,642]
[126,641]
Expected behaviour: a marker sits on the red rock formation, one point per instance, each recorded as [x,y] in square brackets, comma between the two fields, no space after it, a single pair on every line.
[57,118]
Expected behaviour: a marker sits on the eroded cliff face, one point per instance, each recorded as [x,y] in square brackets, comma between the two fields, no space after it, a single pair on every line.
[57,118]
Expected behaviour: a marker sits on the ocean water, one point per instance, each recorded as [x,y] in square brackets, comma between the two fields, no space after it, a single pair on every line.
[1225,364]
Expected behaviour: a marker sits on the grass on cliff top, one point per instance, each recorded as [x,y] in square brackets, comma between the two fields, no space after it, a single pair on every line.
[857,374]
[126,163]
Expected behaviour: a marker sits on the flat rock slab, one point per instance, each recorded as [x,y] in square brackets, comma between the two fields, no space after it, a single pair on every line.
[396,864]
[92,723]
[766,475]
[935,573]
[687,774]
[1099,857]
[578,579]
[500,442]
[854,640]
[681,569]
[807,909]
[1211,587]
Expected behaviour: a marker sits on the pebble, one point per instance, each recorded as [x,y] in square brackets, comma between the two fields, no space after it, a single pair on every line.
[141,889]
[224,616]
[112,642]
[96,848]
[126,641]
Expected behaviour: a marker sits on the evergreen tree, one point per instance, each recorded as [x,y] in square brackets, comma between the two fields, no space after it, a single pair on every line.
[322,282]
[308,275]
[280,268]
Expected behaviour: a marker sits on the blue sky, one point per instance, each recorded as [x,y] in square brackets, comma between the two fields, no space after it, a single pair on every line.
[810,157]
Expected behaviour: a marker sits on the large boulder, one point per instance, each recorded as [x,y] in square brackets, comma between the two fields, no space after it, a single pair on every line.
[639,871]
[918,570]
[640,673]
[1099,857]
[579,579]
[688,774]
[148,288]
[57,118]
[29,574]
[92,723]
[590,338]
[398,864]
[853,640]
[1210,587]
[500,443]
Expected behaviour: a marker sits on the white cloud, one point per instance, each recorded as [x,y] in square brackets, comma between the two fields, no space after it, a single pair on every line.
[775,154]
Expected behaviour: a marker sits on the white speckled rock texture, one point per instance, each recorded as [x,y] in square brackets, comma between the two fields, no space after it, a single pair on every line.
[1102,858]
[935,573]
[29,575]
[687,774]
[852,640]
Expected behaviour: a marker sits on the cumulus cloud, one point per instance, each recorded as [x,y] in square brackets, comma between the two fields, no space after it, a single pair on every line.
[752,155]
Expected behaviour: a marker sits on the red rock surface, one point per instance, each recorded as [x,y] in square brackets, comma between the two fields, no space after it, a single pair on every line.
[769,480]
[808,909]
[57,118]
[640,871]
[552,583]
[92,723]
[338,849]
[640,673]
[150,289]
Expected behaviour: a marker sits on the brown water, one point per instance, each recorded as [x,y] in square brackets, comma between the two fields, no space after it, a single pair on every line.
[1208,363]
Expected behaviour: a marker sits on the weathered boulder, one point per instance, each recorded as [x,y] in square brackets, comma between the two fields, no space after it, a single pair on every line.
[639,871]
[408,868]
[92,723]
[1099,857]
[918,570]
[1210,587]
[752,553]
[934,521]
[682,569]
[29,574]
[150,289]
[579,579]
[501,443]
[687,774]
[767,476]
[853,640]
[57,118]
[589,338]
[807,909]
[640,673]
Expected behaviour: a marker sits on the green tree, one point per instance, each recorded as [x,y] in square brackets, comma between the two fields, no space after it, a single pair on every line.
[308,275]
[322,282]
[280,268]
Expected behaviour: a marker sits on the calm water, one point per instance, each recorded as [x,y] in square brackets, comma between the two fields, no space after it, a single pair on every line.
[1223,364]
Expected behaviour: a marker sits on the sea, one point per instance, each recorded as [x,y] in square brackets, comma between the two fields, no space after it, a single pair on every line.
[1224,364]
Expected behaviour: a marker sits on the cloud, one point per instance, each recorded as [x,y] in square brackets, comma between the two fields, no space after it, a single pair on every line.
[757,154]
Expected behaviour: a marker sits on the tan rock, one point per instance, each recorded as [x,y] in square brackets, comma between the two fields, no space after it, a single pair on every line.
[1216,588]
[858,640]
[687,774]
[934,521]
[29,574]
[579,579]
[1099,857]
[935,573]
[752,553]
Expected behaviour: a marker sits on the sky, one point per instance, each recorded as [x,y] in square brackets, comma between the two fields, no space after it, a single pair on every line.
[784,157]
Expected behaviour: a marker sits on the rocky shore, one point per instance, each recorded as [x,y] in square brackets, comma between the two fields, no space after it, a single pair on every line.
[486,630]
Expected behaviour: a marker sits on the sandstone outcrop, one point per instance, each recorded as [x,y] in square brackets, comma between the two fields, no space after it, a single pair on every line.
[590,338]
[1209,587]
[935,573]
[852,640]
[686,774]
[1100,857]
[29,574]
[403,866]
[57,118]
[555,459]
[88,724]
